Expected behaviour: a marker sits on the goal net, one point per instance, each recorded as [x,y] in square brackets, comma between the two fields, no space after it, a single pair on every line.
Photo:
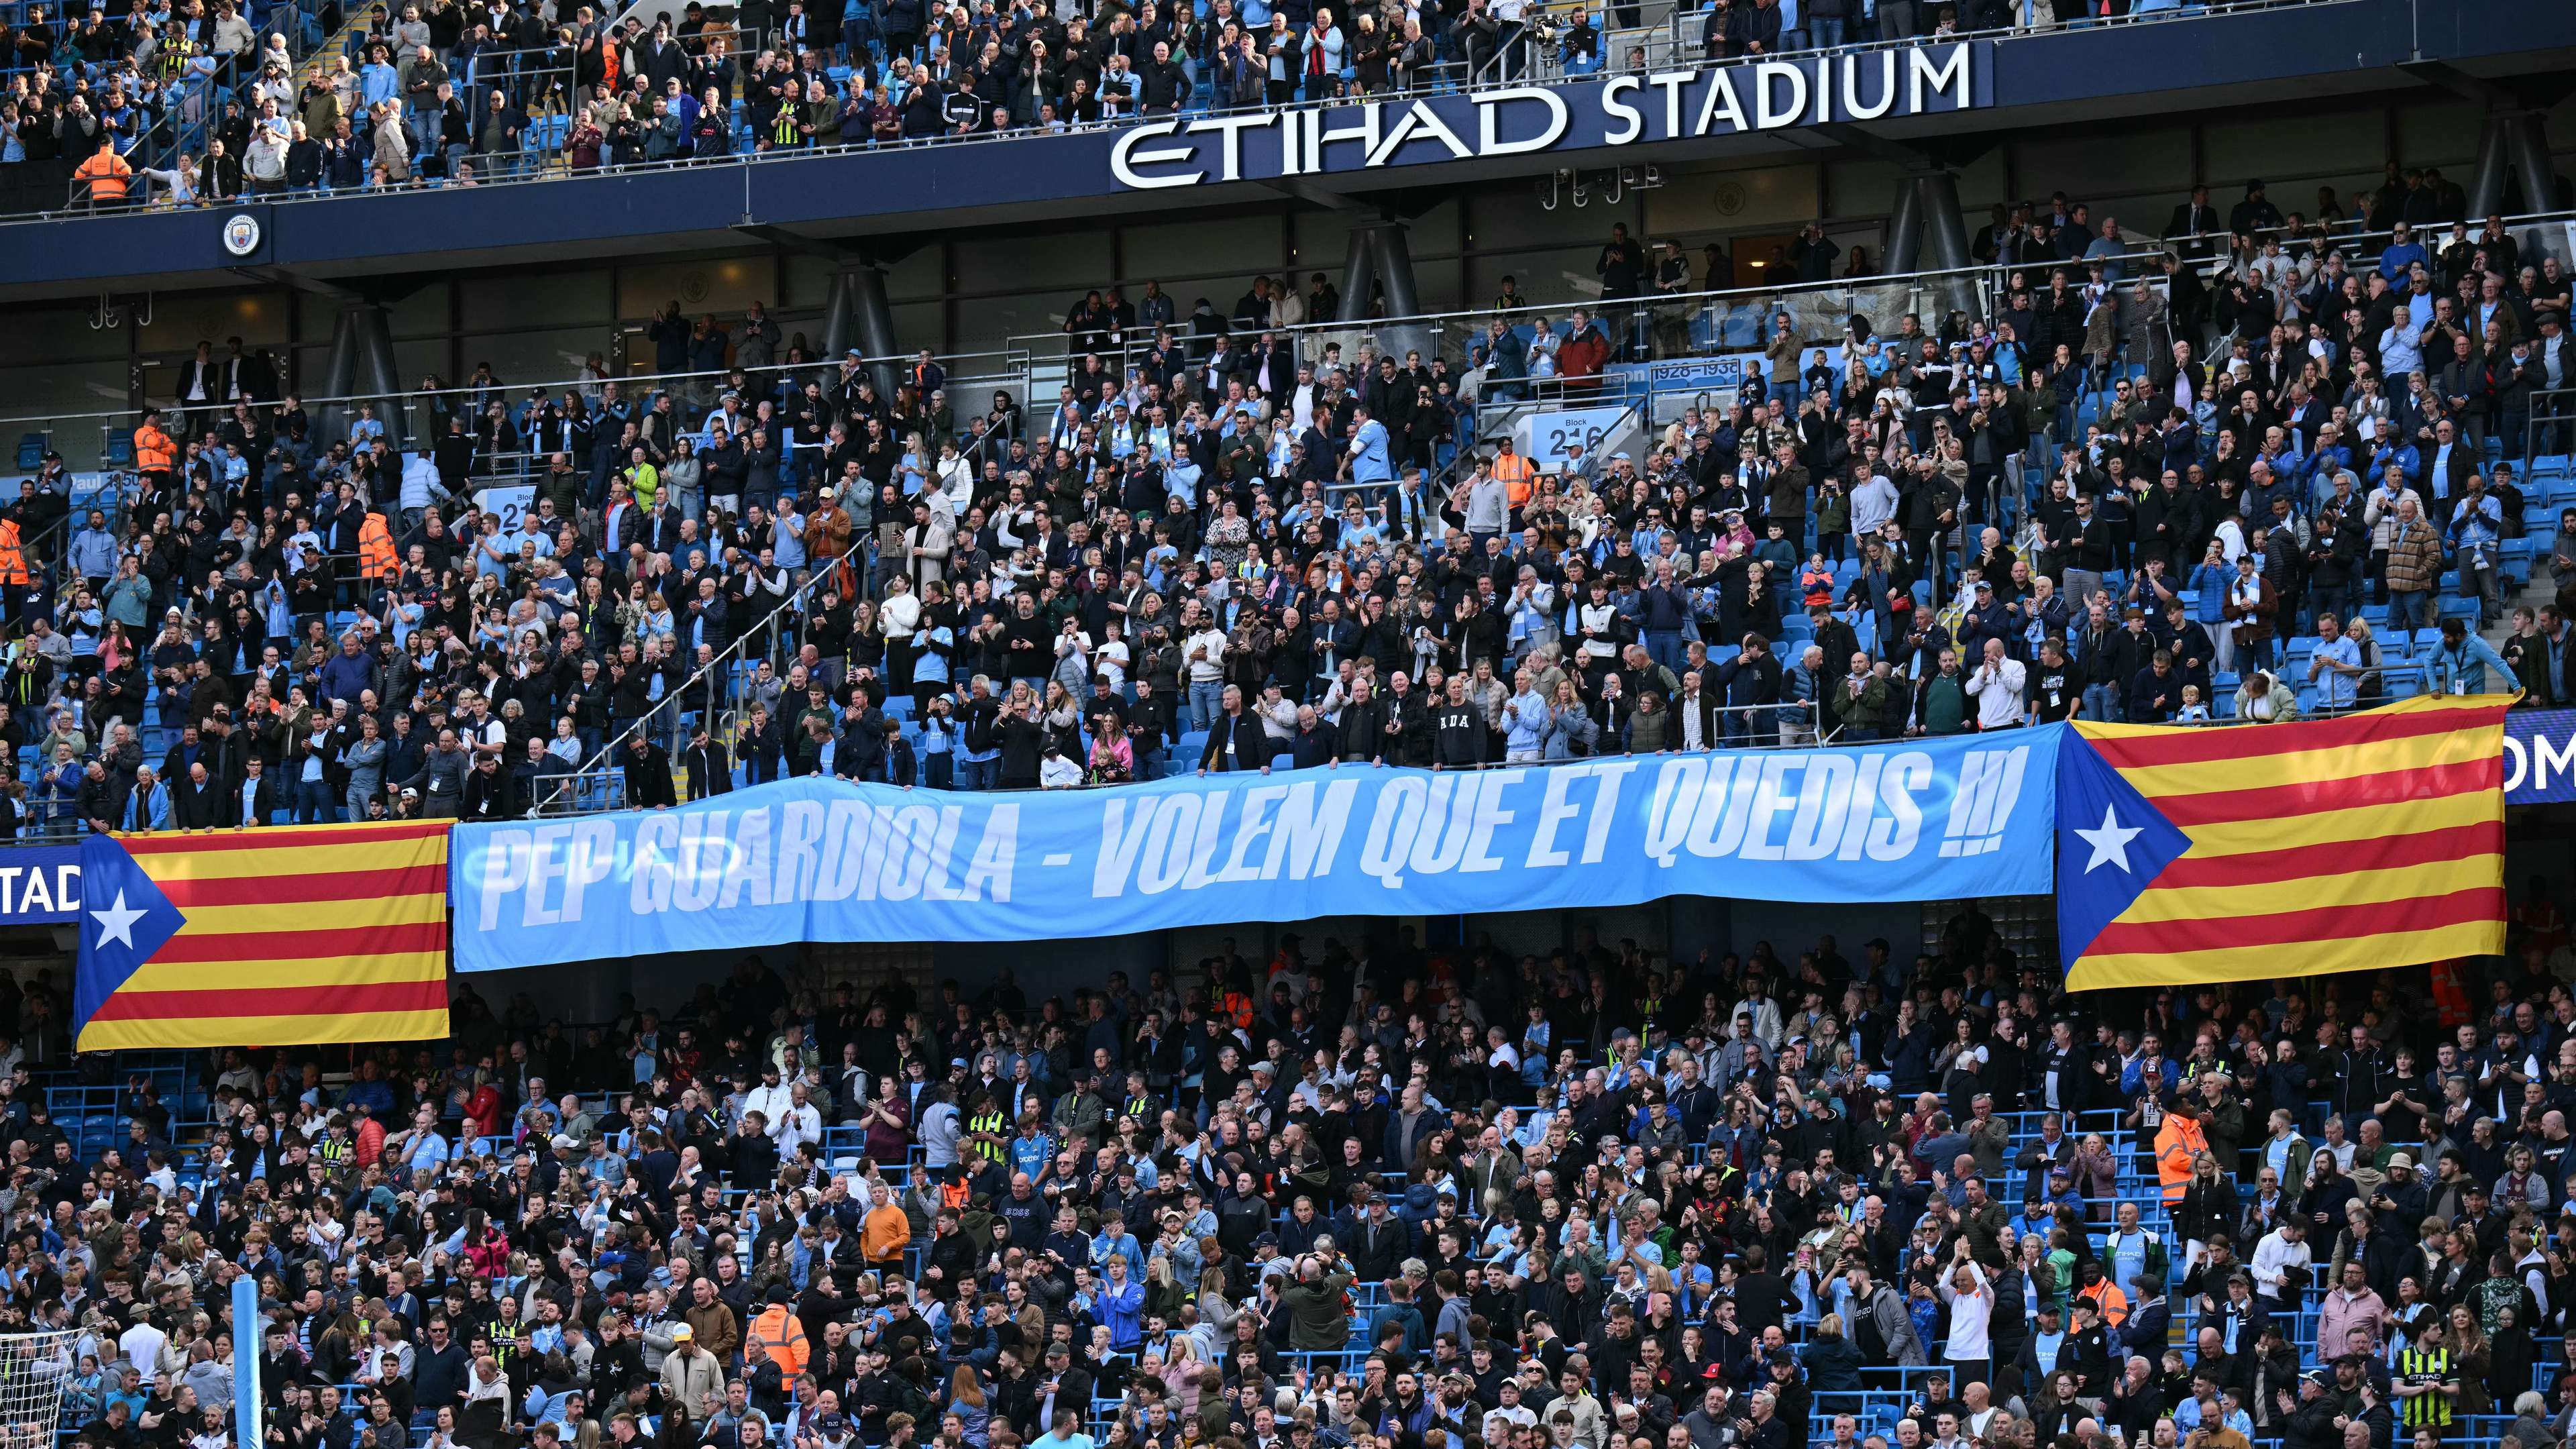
[35,1369]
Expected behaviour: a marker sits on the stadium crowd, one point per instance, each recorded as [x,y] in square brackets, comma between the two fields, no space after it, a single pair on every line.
[2150,486]
[1366,1196]
[216,103]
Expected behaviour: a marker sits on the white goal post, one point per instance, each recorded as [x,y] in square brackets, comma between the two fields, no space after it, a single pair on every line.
[35,1369]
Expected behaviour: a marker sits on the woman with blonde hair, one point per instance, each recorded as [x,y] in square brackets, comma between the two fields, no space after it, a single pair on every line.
[1215,1308]
[1831,1359]
[2208,1207]
[1182,1367]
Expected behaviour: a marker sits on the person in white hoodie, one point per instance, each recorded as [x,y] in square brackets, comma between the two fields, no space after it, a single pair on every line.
[953,479]
[769,1099]
[264,162]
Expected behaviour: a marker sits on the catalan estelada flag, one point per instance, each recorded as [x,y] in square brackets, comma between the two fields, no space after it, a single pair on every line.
[285,937]
[2240,853]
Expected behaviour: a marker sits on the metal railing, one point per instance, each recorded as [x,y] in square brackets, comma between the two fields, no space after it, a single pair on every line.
[1444,82]
[2549,429]
[1646,327]
[1701,322]
[416,415]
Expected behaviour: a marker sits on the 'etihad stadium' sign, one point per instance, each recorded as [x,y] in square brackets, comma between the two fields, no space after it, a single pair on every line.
[1636,108]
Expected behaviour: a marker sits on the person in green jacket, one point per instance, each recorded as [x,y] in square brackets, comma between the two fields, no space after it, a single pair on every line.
[1318,1320]
[1941,701]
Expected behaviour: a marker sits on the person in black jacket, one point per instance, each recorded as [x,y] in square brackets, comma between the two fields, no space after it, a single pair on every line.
[1316,741]
[199,801]
[1749,680]
[1237,742]
[1458,729]
[1408,723]
[648,776]
[1150,726]
[710,768]
[1363,728]
[1022,737]
[488,793]
[763,743]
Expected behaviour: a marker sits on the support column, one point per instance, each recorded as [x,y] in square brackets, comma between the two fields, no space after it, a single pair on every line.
[1904,229]
[1395,269]
[1391,249]
[859,316]
[2486,184]
[1945,244]
[1945,231]
[340,370]
[1359,274]
[2526,140]
[361,367]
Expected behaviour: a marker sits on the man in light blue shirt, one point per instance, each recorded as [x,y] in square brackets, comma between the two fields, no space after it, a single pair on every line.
[2336,666]
[2105,248]
[2398,349]
[93,551]
[1369,463]
[1067,1433]
[1525,721]
[421,1149]
[1116,1242]
[2467,664]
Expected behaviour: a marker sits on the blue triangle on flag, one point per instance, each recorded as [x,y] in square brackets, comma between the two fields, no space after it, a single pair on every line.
[2112,843]
[124,919]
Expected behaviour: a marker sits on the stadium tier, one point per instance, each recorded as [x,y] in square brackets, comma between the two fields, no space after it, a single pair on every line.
[1246,724]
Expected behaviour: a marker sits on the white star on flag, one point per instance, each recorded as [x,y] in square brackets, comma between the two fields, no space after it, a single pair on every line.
[116,923]
[2111,842]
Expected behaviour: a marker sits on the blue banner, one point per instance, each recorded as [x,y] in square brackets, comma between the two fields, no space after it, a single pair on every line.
[821,859]
[2539,756]
[40,885]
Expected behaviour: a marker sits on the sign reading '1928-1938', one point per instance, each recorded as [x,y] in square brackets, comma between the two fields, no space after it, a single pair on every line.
[1635,108]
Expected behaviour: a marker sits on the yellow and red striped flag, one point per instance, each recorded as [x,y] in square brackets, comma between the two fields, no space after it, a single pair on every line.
[284,937]
[2372,840]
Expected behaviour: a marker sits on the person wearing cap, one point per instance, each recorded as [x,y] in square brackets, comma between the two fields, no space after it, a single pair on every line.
[692,1383]
[1064,1395]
